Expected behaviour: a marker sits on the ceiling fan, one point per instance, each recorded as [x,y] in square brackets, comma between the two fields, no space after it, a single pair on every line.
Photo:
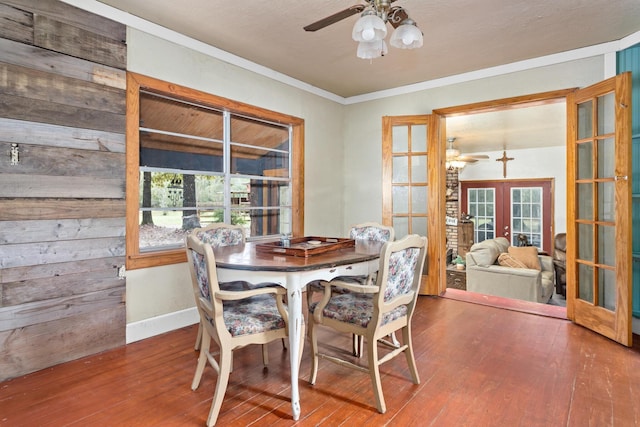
[395,15]
[457,160]
[370,29]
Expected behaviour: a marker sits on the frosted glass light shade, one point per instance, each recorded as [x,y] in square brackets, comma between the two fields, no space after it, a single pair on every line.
[368,28]
[455,164]
[371,50]
[407,36]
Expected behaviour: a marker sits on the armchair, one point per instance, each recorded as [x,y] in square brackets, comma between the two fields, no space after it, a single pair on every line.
[217,235]
[367,231]
[232,318]
[560,263]
[374,311]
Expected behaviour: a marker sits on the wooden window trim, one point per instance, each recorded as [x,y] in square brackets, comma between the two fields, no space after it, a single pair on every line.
[135,82]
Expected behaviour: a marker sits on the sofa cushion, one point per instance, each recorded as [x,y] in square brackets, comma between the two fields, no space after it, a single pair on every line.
[528,255]
[503,243]
[484,253]
[507,260]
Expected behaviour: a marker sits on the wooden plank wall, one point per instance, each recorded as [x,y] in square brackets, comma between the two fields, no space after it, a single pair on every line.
[62,207]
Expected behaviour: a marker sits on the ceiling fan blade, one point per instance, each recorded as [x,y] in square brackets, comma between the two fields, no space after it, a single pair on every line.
[466,159]
[325,22]
[477,156]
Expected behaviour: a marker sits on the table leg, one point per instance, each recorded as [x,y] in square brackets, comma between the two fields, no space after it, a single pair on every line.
[295,324]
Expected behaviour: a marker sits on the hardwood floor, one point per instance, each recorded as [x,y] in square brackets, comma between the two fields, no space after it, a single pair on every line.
[478,365]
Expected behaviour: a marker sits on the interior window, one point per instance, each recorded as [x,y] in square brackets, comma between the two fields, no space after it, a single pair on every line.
[193,161]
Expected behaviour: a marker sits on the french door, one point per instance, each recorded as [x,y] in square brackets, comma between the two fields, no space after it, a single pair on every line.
[599,208]
[519,210]
[412,196]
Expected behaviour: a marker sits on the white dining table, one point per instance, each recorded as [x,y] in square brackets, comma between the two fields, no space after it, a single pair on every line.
[244,263]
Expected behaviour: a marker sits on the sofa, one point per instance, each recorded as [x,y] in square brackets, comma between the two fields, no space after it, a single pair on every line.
[496,268]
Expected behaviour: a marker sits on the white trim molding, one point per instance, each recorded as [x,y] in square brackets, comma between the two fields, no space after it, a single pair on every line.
[153,326]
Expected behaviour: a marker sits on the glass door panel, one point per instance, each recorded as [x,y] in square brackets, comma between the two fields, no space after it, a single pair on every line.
[481,207]
[411,178]
[598,225]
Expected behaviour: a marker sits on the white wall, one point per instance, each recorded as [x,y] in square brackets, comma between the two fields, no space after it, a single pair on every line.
[157,291]
[547,162]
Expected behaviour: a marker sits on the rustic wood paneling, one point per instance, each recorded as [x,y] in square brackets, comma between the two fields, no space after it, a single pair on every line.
[52,287]
[61,340]
[60,37]
[15,317]
[63,269]
[25,209]
[25,254]
[16,24]
[37,58]
[62,207]
[71,14]
[44,86]
[12,232]
[19,108]
[16,185]
[24,132]
[54,161]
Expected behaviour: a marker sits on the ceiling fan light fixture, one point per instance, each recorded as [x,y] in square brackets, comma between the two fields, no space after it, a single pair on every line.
[455,165]
[372,50]
[369,27]
[407,36]
[452,153]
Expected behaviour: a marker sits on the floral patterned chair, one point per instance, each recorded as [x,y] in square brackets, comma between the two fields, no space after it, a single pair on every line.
[232,318]
[218,235]
[374,311]
[368,231]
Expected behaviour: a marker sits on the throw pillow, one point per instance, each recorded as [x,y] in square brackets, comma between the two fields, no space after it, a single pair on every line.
[528,255]
[507,260]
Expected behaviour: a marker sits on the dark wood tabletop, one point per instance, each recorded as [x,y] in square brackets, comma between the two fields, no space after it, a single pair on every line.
[245,257]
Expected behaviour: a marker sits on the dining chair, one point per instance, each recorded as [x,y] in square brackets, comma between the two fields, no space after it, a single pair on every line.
[231,318]
[366,231]
[217,235]
[374,311]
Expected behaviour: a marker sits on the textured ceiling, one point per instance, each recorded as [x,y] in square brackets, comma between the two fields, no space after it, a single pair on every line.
[460,35]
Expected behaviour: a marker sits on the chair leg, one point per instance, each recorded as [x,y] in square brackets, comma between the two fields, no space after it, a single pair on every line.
[221,386]
[358,345]
[198,337]
[394,340]
[408,352]
[202,361]
[265,355]
[374,373]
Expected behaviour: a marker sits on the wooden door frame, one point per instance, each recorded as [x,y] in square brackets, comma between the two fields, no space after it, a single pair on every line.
[504,104]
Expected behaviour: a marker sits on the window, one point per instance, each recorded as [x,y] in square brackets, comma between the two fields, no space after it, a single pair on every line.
[482,210]
[194,159]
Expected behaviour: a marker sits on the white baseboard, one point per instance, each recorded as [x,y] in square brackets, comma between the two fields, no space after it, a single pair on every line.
[635,325]
[153,326]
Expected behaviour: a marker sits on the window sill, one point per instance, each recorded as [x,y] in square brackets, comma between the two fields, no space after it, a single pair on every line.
[156,259]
